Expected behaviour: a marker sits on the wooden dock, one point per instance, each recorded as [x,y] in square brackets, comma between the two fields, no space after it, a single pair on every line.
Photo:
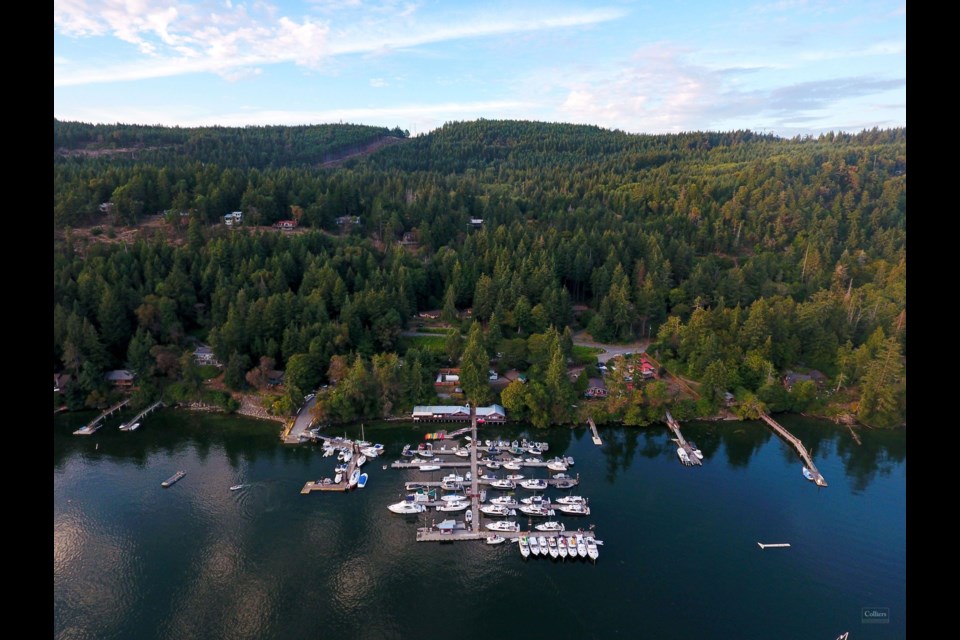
[694,460]
[343,485]
[596,436]
[90,428]
[796,444]
[145,412]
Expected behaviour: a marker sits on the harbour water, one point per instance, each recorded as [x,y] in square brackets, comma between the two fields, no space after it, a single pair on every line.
[680,556]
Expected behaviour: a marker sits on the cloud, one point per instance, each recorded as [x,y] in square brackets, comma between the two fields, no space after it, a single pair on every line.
[659,92]
[181,37]
[378,82]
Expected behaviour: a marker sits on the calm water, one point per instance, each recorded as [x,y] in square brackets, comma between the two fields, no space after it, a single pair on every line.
[680,559]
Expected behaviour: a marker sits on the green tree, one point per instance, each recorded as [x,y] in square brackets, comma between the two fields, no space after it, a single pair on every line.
[474,367]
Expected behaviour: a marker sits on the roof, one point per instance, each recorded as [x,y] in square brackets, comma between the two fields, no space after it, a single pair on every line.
[453,409]
[119,375]
[597,383]
[203,350]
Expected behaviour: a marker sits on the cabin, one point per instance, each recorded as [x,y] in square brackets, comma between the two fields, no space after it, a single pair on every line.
[342,220]
[791,378]
[447,378]
[204,355]
[275,378]
[476,223]
[596,388]
[119,377]
[285,225]
[456,413]
[235,218]
[429,315]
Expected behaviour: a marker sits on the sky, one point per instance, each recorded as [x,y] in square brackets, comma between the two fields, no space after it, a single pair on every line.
[789,67]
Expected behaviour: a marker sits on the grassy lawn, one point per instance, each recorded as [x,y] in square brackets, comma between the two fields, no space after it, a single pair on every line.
[208,371]
[426,343]
[585,355]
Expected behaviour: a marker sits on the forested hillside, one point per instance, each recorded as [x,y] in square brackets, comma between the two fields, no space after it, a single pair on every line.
[740,255]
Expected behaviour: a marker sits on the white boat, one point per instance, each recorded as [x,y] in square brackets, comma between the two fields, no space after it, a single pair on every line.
[347,455]
[571,500]
[534,545]
[575,509]
[451,486]
[497,510]
[550,525]
[468,516]
[354,478]
[684,458]
[429,467]
[552,546]
[453,497]
[506,501]
[493,465]
[337,479]
[462,452]
[571,546]
[581,546]
[405,453]
[537,510]
[562,546]
[524,546]
[565,483]
[807,474]
[236,487]
[452,477]
[503,525]
[489,477]
[133,427]
[361,460]
[534,450]
[592,550]
[503,484]
[554,465]
[534,484]
[370,452]
[495,539]
[453,506]
[515,476]
[406,507]
[544,547]
[696,451]
[424,453]
[537,499]
[512,466]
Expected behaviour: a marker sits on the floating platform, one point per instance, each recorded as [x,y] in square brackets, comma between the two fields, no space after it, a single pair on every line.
[773,545]
[173,479]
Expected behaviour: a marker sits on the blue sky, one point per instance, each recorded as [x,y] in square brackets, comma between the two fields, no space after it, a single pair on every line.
[656,66]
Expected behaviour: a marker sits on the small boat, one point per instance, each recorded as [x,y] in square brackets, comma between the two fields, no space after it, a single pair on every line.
[512,466]
[575,509]
[562,546]
[406,453]
[552,546]
[505,501]
[362,481]
[468,516]
[544,547]
[695,450]
[451,486]
[554,465]
[453,497]
[503,525]
[462,452]
[550,525]
[453,506]
[236,487]
[497,510]
[172,479]
[515,476]
[495,539]
[354,478]
[406,507]
[133,427]
[581,546]
[493,465]
[429,467]
[537,510]
[808,474]
[337,479]
[524,546]
[565,484]
[452,477]
[571,500]
[534,484]
[534,450]
[536,499]
[682,454]
[592,550]
[361,460]
[503,484]
[534,545]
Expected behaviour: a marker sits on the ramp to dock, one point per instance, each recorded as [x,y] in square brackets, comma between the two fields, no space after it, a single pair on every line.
[796,444]
[596,436]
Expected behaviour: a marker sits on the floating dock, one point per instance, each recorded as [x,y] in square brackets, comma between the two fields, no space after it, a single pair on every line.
[343,485]
[90,428]
[173,479]
[774,545]
[795,442]
[144,413]
[683,444]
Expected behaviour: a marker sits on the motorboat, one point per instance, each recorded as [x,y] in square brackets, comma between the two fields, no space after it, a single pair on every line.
[462,452]
[565,483]
[493,465]
[451,486]
[354,478]
[695,449]
[236,487]
[544,547]
[453,506]
[133,427]
[536,499]
[503,484]
[562,546]
[534,484]
[503,525]
[552,546]
[571,500]
[337,479]
[406,453]
[575,509]
[807,474]
[429,467]
[468,516]
[453,497]
[407,507]
[515,476]
[512,466]
[534,545]
[524,546]
[361,460]
[362,481]
[581,546]
[532,460]
[535,450]
[497,510]
[370,452]
[495,539]
[550,525]
[488,477]
[452,477]
[537,510]
[682,454]
[506,501]
[592,550]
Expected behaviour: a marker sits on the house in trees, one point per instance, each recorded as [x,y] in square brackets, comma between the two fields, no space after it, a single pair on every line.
[234,218]
[119,377]
[447,378]
[344,220]
[791,378]
[476,223]
[596,388]
[204,355]
[285,225]
[275,378]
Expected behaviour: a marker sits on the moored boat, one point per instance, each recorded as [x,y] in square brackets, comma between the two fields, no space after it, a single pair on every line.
[534,484]
[354,478]
[534,545]
[362,481]
[503,525]
[429,467]
[495,539]
[552,546]
[503,484]
[236,487]
[575,509]
[682,454]
[407,507]
[550,525]
[807,474]
[581,546]
[524,546]
[571,500]
[562,546]
[592,550]
[696,451]
[453,506]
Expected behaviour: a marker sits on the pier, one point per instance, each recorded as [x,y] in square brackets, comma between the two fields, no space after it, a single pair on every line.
[693,459]
[796,444]
[90,428]
[156,405]
[343,485]
[596,436]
